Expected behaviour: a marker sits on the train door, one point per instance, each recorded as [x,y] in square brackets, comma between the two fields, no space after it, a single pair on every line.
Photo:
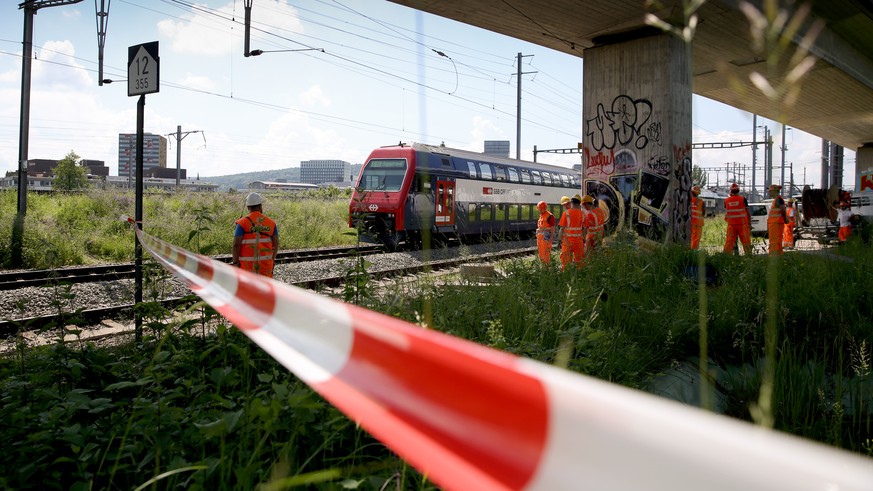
[444,213]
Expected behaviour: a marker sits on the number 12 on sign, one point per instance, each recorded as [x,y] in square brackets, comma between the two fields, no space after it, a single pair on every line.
[143,68]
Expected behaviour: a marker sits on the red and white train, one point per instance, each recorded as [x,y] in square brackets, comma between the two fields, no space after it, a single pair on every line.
[409,192]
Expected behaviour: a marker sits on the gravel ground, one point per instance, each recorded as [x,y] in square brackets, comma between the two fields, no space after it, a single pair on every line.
[38,301]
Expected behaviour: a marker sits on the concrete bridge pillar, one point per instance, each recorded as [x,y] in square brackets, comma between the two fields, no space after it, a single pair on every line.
[864,169]
[636,157]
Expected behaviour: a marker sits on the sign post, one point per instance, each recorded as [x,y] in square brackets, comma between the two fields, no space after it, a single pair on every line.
[143,77]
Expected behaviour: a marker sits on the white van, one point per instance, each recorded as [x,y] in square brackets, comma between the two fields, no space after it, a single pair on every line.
[759,213]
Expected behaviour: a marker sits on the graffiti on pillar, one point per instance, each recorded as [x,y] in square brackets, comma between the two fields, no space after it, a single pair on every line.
[638,192]
[612,179]
[624,124]
[682,194]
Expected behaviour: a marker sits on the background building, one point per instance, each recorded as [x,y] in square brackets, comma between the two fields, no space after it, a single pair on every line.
[321,171]
[154,152]
[499,148]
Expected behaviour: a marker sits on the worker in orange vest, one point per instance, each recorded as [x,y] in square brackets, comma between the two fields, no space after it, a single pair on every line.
[593,224]
[776,220]
[545,232]
[790,223]
[570,233]
[738,219]
[255,240]
[698,209]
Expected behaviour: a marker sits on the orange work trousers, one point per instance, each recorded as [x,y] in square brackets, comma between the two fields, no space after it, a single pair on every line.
[696,233]
[572,250]
[741,231]
[788,236]
[545,249]
[845,233]
[774,233]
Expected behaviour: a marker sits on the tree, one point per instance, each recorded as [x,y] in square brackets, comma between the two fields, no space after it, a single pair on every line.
[68,174]
[698,177]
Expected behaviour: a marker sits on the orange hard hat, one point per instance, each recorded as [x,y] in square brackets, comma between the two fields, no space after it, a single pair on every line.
[695,190]
[542,206]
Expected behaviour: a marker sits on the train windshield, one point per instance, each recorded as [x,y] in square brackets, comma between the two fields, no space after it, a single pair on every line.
[383,175]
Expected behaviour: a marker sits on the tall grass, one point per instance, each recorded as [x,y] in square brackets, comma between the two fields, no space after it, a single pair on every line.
[794,352]
[63,229]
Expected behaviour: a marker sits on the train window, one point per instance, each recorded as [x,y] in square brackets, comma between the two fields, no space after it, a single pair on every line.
[383,175]
[471,212]
[500,212]
[446,162]
[565,181]
[485,169]
[556,210]
[547,178]
[525,176]
[513,174]
[472,167]
[537,178]
[514,212]
[486,212]
[499,172]
[526,212]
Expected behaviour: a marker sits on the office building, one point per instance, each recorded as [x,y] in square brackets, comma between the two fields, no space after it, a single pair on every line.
[322,171]
[154,152]
[498,148]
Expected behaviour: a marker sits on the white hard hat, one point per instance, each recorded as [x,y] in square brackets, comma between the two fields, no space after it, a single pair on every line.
[254,199]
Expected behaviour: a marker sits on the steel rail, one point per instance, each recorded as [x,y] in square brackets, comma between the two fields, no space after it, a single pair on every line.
[85,274]
[92,317]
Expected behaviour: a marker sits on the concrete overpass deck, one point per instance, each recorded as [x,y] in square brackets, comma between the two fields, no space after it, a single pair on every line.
[836,97]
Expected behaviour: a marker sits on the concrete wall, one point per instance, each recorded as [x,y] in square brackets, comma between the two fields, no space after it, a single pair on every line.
[637,142]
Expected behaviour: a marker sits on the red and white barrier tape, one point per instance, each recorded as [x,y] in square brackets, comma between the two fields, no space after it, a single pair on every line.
[473,418]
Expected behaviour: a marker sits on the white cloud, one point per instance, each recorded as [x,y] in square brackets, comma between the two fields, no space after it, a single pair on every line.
[55,65]
[197,82]
[314,96]
[202,33]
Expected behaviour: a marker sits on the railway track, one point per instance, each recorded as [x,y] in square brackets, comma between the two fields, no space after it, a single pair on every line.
[86,274]
[92,317]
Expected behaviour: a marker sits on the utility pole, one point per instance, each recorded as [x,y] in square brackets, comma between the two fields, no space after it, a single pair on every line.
[30,7]
[179,137]
[754,153]
[519,73]
[102,21]
[784,148]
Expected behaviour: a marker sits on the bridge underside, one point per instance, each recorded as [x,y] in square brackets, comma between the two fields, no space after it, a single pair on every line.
[836,98]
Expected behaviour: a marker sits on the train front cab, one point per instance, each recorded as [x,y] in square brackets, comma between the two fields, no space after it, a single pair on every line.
[395,202]
[376,209]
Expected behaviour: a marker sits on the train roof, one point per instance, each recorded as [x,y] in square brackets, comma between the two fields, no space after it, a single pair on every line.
[482,157]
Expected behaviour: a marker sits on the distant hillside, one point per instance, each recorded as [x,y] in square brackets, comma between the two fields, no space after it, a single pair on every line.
[241,181]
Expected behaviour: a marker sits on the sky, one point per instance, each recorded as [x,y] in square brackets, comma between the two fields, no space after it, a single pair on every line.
[386,74]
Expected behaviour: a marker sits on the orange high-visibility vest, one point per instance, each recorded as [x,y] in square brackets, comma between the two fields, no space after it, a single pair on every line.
[774,217]
[594,221]
[545,224]
[696,211]
[735,205]
[256,253]
[571,220]
[791,213]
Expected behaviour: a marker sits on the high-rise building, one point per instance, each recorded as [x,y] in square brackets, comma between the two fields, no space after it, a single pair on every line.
[319,171]
[498,148]
[154,152]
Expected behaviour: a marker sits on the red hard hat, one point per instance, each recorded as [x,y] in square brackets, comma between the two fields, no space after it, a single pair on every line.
[542,206]
[735,187]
